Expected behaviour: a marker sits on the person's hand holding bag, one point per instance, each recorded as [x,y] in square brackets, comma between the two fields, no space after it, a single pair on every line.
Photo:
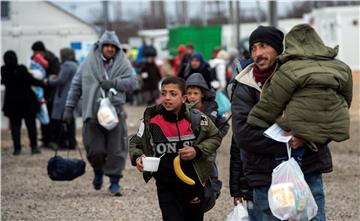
[107,84]
[68,115]
[239,213]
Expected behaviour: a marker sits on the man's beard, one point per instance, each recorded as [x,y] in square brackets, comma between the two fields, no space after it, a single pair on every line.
[261,58]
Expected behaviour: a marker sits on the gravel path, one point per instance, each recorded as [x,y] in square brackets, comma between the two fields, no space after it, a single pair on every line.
[28,194]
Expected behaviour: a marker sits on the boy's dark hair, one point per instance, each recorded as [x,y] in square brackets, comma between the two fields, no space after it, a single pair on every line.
[175,80]
[196,86]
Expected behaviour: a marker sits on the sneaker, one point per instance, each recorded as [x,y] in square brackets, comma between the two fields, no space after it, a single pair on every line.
[98,181]
[35,150]
[17,152]
[114,189]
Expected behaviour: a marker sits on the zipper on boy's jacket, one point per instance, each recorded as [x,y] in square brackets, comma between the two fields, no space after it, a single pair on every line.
[177,127]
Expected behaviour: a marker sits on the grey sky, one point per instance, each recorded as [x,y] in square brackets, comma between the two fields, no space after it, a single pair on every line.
[130,10]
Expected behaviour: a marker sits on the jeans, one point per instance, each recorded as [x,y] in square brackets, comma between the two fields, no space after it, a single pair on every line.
[261,210]
[250,210]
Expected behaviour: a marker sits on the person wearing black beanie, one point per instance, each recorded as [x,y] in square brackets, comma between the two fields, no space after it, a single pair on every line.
[265,44]
[286,88]
[249,178]
[269,35]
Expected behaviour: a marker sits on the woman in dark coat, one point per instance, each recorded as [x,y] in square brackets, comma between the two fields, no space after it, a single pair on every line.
[197,64]
[19,100]
[151,77]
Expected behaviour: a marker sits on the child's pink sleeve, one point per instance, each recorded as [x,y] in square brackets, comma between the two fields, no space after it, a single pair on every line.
[38,58]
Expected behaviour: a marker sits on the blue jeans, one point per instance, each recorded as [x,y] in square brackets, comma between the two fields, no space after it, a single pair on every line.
[251,211]
[262,212]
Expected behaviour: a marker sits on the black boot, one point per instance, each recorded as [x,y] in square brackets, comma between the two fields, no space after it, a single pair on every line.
[98,179]
[35,150]
[17,151]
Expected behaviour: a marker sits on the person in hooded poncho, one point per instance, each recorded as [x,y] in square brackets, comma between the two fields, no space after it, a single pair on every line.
[106,69]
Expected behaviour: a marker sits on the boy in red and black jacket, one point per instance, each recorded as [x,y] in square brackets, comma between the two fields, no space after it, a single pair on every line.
[168,129]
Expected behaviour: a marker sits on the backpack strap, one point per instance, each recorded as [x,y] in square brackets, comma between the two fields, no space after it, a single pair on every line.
[230,88]
[195,119]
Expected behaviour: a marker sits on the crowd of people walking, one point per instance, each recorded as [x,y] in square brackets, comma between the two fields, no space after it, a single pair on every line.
[300,86]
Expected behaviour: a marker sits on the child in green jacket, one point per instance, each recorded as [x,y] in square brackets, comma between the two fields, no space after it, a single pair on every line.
[168,130]
[311,92]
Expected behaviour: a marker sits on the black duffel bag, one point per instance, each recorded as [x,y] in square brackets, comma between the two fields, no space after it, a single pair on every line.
[65,169]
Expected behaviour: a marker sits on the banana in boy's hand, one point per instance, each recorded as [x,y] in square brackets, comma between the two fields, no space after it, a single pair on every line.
[180,173]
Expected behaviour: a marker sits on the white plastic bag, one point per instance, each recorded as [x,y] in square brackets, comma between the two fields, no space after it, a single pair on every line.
[239,213]
[289,195]
[107,115]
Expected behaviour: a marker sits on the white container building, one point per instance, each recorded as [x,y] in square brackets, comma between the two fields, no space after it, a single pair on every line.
[24,22]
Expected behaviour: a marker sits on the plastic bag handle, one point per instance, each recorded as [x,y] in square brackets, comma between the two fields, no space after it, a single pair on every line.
[101,90]
[242,202]
[288,148]
[112,90]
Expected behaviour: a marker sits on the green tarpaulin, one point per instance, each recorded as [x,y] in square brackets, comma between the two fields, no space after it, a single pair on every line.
[205,39]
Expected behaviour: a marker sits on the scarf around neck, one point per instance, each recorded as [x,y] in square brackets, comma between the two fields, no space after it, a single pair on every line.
[262,76]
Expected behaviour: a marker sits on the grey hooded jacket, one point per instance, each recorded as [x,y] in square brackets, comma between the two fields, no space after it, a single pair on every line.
[62,84]
[209,103]
[86,82]
[197,79]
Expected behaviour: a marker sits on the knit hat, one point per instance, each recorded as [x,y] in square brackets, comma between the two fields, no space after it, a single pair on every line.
[269,35]
[38,46]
